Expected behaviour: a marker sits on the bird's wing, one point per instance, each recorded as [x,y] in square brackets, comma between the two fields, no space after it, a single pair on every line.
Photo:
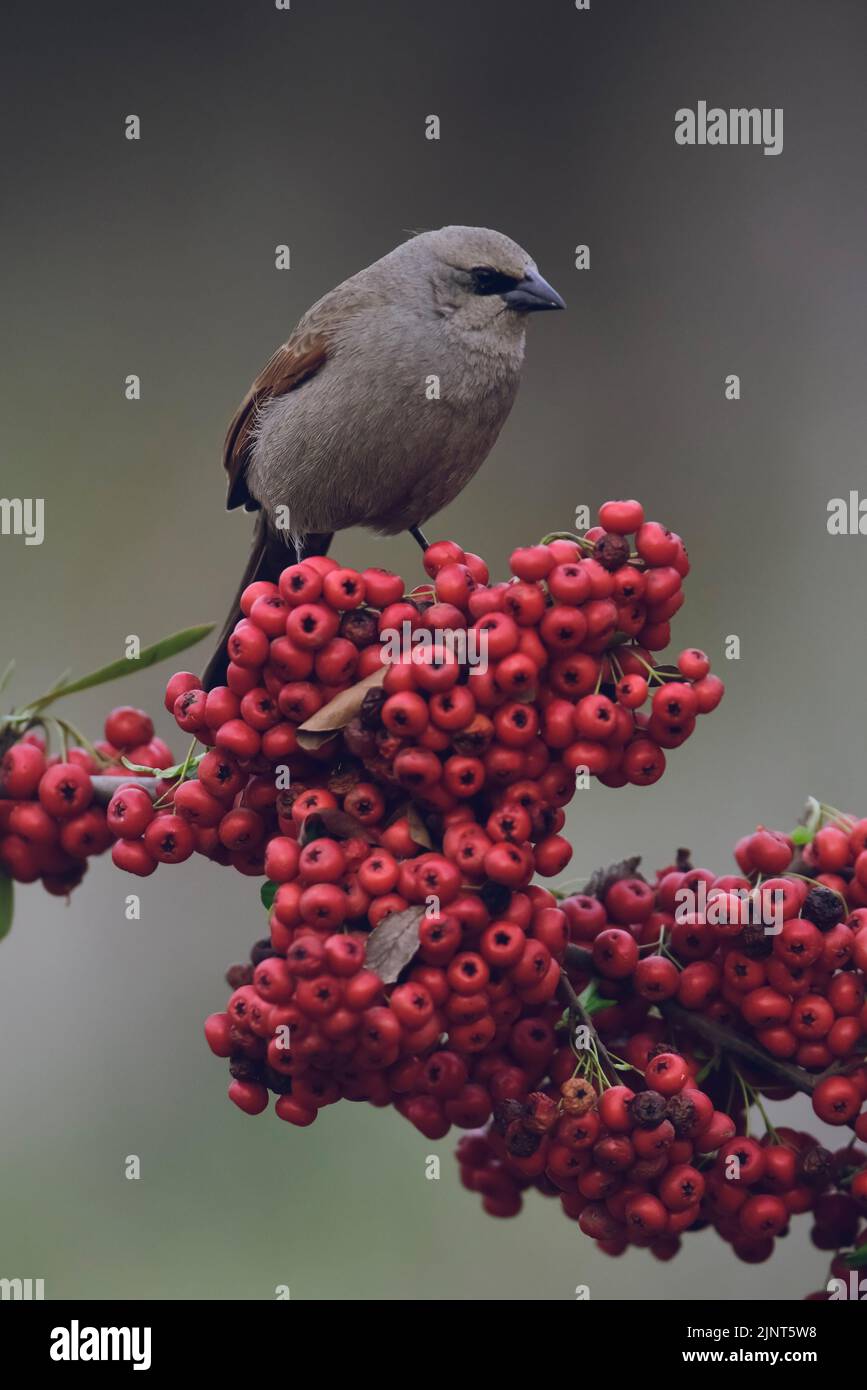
[292,364]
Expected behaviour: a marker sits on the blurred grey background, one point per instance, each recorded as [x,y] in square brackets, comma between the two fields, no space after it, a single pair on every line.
[306,127]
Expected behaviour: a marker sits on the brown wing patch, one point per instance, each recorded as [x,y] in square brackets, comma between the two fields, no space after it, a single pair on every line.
[293,363]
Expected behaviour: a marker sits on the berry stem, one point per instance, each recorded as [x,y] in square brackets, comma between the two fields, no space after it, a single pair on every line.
[814,883]
[182,774]
[653,673]
[578,1011]
[724,1038]
[69,730]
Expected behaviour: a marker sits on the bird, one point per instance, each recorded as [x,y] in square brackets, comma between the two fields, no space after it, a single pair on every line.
[384,401]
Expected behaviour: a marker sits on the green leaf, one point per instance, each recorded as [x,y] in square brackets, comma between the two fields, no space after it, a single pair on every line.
[166,774]
[7,904]
[268,893]
[809,822]
[143,768]
[857,1259]
[126,666]
[593,1001]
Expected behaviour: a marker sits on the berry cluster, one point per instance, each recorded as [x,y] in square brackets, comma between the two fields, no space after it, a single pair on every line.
[469,1030]
[643,1167]
[478,701]
[51,821]
[624,1163]
[469,1020]
[397,767]
[479,1040]
[780,958]
[701,957]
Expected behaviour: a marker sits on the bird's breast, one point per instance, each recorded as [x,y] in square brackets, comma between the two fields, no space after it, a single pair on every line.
[387,433]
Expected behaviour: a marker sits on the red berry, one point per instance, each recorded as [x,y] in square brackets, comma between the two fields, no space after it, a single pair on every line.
[656,978]
[21,769]
[168,838]
[837,1100]
[531,562]
[656,544]
[249,1097]
[65,790]
[126,726]
[667,1073]
[621,518]
[615,953]
[133,857]
[763,1215]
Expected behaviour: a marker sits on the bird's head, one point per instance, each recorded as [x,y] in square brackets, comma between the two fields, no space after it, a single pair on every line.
[479,276]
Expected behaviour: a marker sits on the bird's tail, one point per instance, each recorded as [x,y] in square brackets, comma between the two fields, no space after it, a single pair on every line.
[269,554]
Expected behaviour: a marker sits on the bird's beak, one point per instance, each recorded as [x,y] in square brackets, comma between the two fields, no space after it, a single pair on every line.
[533,293]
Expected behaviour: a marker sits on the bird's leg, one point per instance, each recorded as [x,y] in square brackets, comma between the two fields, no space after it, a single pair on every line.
[418,535]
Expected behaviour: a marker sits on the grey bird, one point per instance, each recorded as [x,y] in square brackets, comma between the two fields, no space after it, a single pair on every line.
[385,401]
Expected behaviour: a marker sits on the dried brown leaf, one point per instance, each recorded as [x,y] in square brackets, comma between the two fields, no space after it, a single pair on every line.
[393,943]
[339,712]
[339,825]
[419,832]
[602,879]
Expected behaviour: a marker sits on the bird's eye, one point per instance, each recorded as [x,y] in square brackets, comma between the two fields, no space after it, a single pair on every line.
[486,280]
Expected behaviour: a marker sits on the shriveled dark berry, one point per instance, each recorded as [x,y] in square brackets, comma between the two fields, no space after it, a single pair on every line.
[359,626]
[755,942]
[238,975]
[682,1114]
[342,779]
[521,1142]
[245,1069]
[262,950]
[496,897]
[277,1082]
[816,1165]
[823,907]
[648,1109]
[612,551]
[507,1112]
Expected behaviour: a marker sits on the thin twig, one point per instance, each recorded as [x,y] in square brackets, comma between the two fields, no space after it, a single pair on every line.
[723,1038]
[578,1009]
[104,788]
[728,1041]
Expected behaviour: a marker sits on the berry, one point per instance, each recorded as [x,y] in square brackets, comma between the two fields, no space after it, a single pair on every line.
[837,1100]
[65,790]
[667,1073]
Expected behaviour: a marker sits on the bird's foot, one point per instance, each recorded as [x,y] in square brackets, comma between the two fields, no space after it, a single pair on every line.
[418,535]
